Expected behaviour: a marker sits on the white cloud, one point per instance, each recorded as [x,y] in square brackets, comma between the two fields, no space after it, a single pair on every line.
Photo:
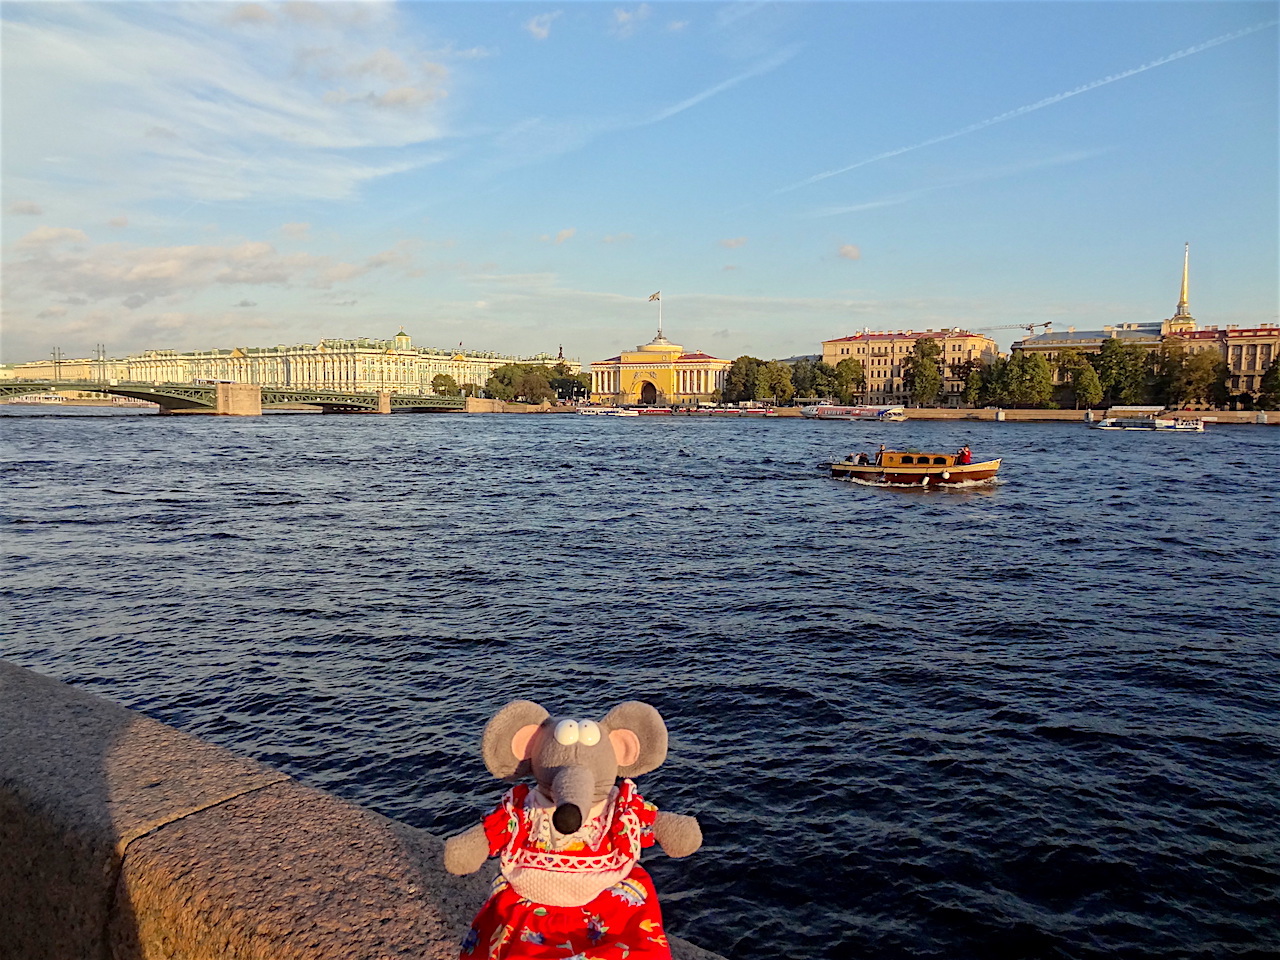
[539,27]
[733,242]
[26,208]
[295,229]
[134,275]
[188,102]
[625,21]
[561,237]
[46,236]
[849,252]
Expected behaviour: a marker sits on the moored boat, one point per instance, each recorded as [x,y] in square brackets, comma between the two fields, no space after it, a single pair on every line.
[1177,424]
[914,467]
[608,412]
[831,411]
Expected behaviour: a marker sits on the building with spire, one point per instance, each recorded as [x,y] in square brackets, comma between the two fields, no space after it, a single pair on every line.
[658,373]
[1247,351]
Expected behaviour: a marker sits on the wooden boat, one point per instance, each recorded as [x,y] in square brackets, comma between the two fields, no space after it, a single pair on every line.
[915,467]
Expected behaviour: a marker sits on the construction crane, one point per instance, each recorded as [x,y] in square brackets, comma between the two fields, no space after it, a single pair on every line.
[1029,327]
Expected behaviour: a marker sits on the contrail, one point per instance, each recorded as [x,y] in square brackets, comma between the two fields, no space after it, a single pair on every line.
[1029,108]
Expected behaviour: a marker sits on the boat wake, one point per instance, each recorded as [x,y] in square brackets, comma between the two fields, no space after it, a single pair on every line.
[923,487]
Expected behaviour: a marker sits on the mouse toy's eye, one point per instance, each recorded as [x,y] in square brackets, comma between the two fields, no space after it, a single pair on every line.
[567,732]
[588,733]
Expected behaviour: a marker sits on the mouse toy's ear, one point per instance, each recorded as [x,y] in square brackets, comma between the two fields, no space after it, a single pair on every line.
[639,737]
[508,739]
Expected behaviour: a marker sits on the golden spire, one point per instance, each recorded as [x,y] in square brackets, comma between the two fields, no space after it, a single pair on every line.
[1182,300]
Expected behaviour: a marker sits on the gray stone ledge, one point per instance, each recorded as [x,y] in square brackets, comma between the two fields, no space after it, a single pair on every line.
[122,838]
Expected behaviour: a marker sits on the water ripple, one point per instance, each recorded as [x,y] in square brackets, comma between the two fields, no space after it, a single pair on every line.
[1032,719]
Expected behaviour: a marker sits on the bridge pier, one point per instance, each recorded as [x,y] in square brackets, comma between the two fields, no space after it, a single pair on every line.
[240,400]
[384,401]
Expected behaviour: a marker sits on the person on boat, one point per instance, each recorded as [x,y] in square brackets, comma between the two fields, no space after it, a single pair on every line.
[863,460]
[880,455]
[964,455]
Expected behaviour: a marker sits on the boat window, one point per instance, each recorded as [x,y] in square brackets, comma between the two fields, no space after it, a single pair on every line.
[939,459]
[908,460]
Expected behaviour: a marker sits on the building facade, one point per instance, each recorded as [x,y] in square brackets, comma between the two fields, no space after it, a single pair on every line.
[658,372]
[1247,351]
[361,365]
[882,355]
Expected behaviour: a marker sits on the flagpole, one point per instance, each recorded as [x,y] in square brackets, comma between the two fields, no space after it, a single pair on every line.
[659,316]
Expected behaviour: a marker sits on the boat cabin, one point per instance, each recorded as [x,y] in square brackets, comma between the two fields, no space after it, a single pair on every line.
[897,458]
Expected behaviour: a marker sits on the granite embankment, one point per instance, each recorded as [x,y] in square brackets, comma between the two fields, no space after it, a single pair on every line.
[122,838]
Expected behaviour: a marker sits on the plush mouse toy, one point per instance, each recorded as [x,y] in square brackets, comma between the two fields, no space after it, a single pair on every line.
[571,884]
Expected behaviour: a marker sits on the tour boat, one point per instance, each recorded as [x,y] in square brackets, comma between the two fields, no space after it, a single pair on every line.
[608,412]
[915,467]
[38,398]
[1177,424]
[831,411]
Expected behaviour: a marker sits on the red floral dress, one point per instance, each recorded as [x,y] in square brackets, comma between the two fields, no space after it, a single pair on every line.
[604,904]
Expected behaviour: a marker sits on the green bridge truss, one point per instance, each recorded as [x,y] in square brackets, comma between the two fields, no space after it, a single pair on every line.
[200,396]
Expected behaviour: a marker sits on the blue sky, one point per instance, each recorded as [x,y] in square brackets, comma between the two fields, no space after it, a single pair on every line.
[520,176]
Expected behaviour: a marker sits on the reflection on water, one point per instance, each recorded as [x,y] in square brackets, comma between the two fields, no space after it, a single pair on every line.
[1030,719]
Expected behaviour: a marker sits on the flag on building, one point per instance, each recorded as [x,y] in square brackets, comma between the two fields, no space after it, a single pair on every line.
[655,296]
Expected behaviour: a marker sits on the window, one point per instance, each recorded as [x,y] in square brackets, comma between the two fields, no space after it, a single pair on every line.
[941,460]
[908,460]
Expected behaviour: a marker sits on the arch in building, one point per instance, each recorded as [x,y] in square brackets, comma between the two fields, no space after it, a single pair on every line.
[648,393]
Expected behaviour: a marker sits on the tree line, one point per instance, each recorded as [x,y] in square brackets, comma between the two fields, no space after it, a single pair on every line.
[1120,373]
[526,382]
[751,379]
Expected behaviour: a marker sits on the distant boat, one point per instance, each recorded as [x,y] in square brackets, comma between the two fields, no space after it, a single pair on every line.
[831,411]
[608,412]
[38,398]
[1177,425]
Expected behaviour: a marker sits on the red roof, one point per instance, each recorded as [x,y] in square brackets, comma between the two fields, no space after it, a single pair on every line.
[696,356]
[902,334]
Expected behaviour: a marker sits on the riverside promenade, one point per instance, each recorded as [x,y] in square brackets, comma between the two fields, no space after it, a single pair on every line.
[122,838]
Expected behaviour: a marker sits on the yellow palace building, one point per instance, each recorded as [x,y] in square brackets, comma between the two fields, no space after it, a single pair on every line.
[658,372]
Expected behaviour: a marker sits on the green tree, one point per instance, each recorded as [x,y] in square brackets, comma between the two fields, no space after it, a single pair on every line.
[519,381]
[1029,379]
[773,380]
[533,386]
[444,385]
[802,377]
[1123,371]
[1171,384]
[1204,377]
[1269,388]
[974,383]
[852,379]
[1069,360]
[994,384]
[827,381]
[571,386]
[470,389]
[1085,386]
[740,380]
[922,371]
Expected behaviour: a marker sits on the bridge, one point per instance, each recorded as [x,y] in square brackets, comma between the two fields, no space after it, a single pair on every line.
[242,399]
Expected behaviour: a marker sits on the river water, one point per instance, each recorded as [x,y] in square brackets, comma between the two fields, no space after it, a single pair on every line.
[1035,719]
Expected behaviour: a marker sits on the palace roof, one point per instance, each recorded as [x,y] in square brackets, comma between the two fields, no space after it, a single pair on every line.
[903,335]
[697,355]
